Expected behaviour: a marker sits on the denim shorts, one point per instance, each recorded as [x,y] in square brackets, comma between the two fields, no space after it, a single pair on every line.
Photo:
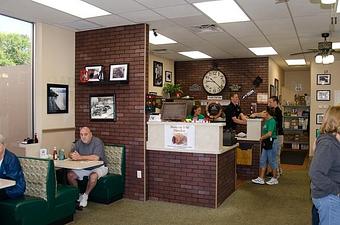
[269,156]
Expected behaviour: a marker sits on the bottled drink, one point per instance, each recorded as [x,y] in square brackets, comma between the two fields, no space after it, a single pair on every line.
[55,153]
[36,138]
[61,154]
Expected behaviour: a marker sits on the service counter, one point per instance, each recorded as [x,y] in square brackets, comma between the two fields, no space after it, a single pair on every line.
[188,164]
[248,158]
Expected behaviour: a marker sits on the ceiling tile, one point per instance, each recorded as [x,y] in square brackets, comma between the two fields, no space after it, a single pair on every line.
[81,25]
[117,6]
[153,4]
[178,11]
[142,16]
[110,21]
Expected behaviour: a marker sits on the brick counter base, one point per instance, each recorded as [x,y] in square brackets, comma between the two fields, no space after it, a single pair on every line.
[252,171]
[190,178]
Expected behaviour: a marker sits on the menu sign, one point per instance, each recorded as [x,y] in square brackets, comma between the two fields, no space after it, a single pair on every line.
[179,136]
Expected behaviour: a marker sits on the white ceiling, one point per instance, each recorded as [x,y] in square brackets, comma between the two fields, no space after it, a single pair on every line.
[287,27]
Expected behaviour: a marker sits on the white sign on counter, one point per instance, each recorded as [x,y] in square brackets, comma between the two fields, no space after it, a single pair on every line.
[179,136]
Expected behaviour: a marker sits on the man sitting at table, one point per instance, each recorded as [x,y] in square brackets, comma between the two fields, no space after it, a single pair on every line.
[10,169]
[87,148]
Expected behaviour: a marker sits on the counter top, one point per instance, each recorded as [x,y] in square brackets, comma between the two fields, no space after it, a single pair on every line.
[184,123]
[246,139]
[198,151]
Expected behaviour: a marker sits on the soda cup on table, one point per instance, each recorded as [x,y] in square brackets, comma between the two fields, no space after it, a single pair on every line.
[61,154]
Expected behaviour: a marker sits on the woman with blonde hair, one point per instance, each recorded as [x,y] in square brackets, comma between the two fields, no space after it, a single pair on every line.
[325,169]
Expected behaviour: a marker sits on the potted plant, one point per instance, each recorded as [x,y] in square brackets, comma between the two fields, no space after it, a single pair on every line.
[172,89]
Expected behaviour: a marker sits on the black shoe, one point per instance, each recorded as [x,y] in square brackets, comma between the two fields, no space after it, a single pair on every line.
[270,174]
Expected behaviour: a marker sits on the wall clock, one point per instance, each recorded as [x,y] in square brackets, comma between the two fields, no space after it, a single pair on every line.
[214,81]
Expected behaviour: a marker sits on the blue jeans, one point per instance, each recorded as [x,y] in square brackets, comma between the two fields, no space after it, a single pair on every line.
[329,209]
[270,156]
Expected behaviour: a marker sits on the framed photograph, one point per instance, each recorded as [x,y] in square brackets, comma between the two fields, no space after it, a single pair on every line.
[57,98]
[272,91]
[119,72]
[323,79]
[276,87]
[319,118]
[103,107]
[168,76]
[323,95]
[157,74]
[95,73]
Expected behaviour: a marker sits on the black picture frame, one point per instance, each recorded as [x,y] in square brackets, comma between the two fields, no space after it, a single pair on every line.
[157,74]
[319,118]
[119,72]
[102,107]
[57,98]
[95,73]
[271,91]
[168,76]
[323,95]
[323,79]
[276,87]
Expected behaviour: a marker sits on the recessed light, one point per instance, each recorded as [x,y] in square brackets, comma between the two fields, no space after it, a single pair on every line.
[295,62]
[195,55]
[336,45]
[263,51]
[74,7]
[159,39]
[225,11]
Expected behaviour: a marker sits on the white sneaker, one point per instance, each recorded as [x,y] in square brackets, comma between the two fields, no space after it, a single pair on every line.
[272,181]
[83,202]
[258,180]
[80,198]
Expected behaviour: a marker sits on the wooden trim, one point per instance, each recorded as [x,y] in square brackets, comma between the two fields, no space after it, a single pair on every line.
[58,129]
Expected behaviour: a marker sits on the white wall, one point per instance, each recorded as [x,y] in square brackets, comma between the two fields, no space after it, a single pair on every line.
[295,79]
[54,63]
[168,65]
[321,106]
[275,72]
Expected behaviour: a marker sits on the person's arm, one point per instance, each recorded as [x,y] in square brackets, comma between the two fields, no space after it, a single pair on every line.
[15,173]
[77,157]
[239,121]
[320,166]
[258,114]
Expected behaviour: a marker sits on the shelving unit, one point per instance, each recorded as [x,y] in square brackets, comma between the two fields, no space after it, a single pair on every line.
[296,127]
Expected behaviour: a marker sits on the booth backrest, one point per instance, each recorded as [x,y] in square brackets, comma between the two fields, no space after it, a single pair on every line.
[115,157]
[40,178]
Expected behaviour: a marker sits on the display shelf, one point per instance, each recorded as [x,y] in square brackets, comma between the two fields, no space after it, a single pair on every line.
[296,127]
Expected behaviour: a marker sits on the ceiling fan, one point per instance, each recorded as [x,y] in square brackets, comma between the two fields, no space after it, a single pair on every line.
[324,47]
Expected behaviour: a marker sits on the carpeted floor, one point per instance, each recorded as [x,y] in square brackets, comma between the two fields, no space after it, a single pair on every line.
[293,157]
[282,204]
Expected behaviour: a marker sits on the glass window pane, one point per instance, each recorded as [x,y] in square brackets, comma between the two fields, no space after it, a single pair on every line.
[15,80]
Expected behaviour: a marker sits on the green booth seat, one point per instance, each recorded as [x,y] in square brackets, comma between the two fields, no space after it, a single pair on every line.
[110,187]
[45,202]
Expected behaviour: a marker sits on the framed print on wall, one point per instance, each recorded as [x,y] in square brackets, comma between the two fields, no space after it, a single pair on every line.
[57,98]
[95,73]
[319,118]
[323,95]
[157,74]
[271,91]
[168,76]
[119,72]
[103,107]
[277,87]
[323,79]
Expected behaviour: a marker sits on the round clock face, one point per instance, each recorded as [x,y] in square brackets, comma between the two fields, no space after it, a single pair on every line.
[214,81]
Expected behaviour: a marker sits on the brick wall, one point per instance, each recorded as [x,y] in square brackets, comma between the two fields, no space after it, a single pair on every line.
[237,71]
[185,178]
[125,44]
[226,175]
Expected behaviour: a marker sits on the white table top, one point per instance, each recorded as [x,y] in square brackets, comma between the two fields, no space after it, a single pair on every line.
[76,165]
[4,183]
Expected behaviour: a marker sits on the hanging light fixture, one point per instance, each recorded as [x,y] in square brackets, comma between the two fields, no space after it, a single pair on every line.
[324,58]
[327,2]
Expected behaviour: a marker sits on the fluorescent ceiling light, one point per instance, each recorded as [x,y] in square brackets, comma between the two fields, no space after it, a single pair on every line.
[74,7]
[338,8]
[328,1]
[295,62]
[336,45]
[159,39]
[225,11]
[263,51]
[195,55]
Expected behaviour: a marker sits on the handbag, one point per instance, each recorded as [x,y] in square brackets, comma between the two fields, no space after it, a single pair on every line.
[267,143]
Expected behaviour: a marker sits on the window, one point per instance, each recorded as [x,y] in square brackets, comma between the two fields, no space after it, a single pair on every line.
[16,115]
